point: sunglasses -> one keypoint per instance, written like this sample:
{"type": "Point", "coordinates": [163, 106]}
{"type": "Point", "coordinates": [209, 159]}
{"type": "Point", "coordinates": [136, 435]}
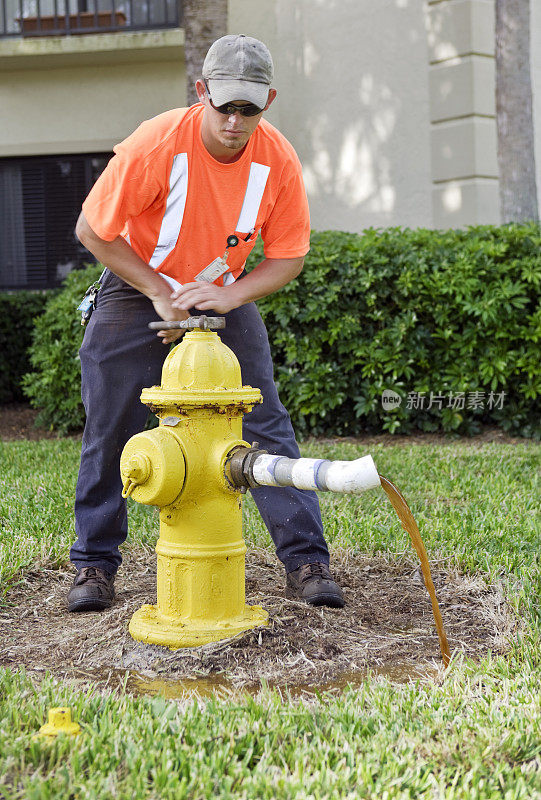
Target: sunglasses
{"type": "Point", "coordinates": [249, 110]}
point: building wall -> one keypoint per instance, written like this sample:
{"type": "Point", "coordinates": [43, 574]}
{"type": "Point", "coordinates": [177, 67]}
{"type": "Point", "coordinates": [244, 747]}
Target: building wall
{"type": "Point", "coordinates": [85, 93]}
{"type": "Point", "coordinates": [390, 105]}
{"type": "Point", "coordinates": [353, 100]}
{"type": "Point", "coordinates": [110, 102]}
{"type": "Point", "coordinates": [462, 112]}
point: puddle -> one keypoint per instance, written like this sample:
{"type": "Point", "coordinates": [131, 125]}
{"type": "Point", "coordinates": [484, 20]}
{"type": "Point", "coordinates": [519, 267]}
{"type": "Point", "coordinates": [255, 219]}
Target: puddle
{"type": "Point", "coordinates": [218, 685]}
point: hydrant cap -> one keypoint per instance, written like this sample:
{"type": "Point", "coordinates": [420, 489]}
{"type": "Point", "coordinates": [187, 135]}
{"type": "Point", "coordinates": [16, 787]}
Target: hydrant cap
{"type": "Point", "coordinates": [201, 372]}
{"type": "Point", "coordinates": [201, 361]}
{"type": "Point", "coordinates": [152, 467]}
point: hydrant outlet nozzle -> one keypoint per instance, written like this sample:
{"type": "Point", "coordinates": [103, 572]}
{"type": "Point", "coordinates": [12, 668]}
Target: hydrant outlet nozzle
{"type": "Point", "coordinates": [239, 467]}
{"type": "Point", "coordinates": [152, 467]}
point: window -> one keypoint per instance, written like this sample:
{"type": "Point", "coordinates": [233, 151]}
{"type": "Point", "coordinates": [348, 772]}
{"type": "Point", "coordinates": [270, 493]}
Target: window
{"type": "Point", "coordinates": [61, 17]}
{"type": "Point", "coordinates": [40, 200]}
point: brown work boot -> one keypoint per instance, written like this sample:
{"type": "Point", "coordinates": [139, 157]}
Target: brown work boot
{"type": "Point", "coordinates": [314, 584]}
{"type": "Point", "coordinates": [92, 590]}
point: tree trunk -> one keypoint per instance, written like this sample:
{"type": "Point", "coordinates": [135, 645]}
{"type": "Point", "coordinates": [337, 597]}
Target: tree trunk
{"type": "Point", "coordinates": [204, 22]}
{"type": "Point", "coordinates": [516, 158]}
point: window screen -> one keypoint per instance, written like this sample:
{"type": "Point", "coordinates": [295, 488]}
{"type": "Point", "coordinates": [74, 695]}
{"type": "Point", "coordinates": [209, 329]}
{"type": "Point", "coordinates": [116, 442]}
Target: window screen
{"type": "Point", "coordinates": [40, 200]}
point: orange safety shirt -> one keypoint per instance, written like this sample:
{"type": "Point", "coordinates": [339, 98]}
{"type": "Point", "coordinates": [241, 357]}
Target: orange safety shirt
{"type": "Point", "coordinates": [176, 205]}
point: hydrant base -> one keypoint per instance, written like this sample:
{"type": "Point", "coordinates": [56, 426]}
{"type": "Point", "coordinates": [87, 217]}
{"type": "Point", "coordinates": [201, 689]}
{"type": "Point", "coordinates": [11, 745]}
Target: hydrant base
{"type": "Point", "coordinates": [149, 626]}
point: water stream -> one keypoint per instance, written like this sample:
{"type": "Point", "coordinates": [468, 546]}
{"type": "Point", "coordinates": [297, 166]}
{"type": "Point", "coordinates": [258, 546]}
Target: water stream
{"type": "Point", "coordinates": [410, 526]}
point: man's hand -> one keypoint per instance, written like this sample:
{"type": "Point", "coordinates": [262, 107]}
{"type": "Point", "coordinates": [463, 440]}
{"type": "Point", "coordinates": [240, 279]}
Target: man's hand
{"type": "Point", "coordinates": [266, 278]}
{"type": "Point", "coordinates": [168, 312]}
{"type": "Point", "coordinates": [203, 296]}
{"type": "Point", "coordinates": [124, 262]}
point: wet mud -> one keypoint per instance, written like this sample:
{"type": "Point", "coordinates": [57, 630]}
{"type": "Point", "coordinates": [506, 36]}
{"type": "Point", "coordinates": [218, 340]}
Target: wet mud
{"type": "Point", "coordinates": [386, 627]}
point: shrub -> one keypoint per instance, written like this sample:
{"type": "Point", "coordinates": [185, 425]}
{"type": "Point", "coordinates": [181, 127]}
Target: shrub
{"type": "Point", "coordinates": [54, 385]}
{"type": "Point", "coordinates": [412, 311]}
{"type": "Point", "coordinates": [18, 311]}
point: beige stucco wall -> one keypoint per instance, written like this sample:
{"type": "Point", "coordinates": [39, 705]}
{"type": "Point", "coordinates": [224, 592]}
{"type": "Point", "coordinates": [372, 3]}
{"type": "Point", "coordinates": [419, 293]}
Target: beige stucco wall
{"type": "Point", "coordinates": [76, 110]}
{"type": "Point", "coordinates": [85, 94]}
{"type": "Point", "coordinates": [353, 99]}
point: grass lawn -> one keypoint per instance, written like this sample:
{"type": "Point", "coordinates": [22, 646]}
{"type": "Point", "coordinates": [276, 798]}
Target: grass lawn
{"type": "Point", "coordinates": [476, 734]}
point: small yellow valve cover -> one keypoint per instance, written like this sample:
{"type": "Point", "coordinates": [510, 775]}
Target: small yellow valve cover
{"type": "Point", "coordinates": [59, 722]}
{"type": "Point", "coordinates": [152, 467]}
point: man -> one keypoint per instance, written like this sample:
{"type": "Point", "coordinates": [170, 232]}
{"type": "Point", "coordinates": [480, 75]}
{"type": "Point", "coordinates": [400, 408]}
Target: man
{"type": "Point", "coordinates": [158, 216]}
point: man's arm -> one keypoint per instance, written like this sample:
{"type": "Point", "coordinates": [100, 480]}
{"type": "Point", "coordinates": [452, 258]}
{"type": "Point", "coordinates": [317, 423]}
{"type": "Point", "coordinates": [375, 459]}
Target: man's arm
{"type": "Point", "coordinates": [121, 259]}
{"type": "Point", "coordinates": [269, 276]}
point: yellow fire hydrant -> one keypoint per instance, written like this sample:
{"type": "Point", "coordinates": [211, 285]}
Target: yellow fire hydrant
{"type": "Point", "coordinates": [180, 467]}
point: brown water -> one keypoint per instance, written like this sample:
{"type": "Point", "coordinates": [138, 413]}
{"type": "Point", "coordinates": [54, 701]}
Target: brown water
{"type": "Point", "coordinates": [218, 685]}
{"type": "Point", "coordinates": [410, 526]}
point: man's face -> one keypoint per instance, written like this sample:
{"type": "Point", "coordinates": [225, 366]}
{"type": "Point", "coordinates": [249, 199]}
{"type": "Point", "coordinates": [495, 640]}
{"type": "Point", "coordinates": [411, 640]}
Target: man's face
{"type": "Point", "coordinates": [229, 132]}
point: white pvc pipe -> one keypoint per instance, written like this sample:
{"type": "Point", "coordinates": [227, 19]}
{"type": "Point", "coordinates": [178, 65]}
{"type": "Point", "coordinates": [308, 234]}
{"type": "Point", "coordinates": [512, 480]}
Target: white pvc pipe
{"type": "Point", "coordinates": [352, 477]}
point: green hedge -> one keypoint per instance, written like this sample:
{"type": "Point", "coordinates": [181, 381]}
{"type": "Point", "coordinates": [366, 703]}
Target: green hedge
{"type": "Point", "coordinates": [17, 313]}
{"type": "Point", "coordinates": [412, 311]}
{"type": "Point", "coordinates": [54, 384]}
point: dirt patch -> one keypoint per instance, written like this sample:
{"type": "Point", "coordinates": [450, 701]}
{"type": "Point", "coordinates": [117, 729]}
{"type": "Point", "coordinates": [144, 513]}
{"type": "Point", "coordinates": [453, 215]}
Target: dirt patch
{"type": "Point", "coordinates": [419, 438]}
{"type": "Point", "coordinates": [18, 421]}
{"type": "Point", "coordinates": [386, 623]}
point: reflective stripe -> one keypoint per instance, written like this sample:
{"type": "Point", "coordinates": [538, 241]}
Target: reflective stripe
{"type": "Point", "coordinates": [176, 202]}
{"type": "Point", "coordinates": [252, 199]}
{"type": "Point", "coordinates": [228, 278]}
{"type": "Point", "coordinates": [174, 210]}
{"type": "Point", "coordinates": [171, 281]}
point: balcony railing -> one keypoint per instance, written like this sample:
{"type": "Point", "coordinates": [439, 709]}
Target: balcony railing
{"type": "Point", "coordinates": [30, 18]}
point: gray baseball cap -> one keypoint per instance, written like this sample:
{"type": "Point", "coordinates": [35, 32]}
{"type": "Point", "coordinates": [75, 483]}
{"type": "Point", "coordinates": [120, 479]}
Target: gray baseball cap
{"type": "Point", "coordinates": [238, 67]}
